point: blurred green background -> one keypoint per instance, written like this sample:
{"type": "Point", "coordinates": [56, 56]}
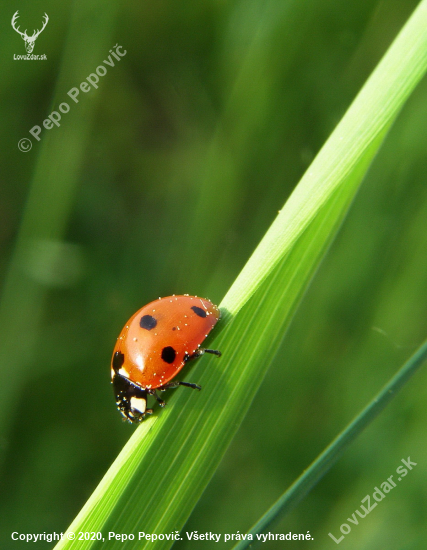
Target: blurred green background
{"type": "Point", "coordinates": [163, 180]}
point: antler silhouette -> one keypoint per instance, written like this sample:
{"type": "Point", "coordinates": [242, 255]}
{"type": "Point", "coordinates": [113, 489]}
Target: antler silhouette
{"type": "Point", "coordinates": [44, 25]}
{"type": "Point", "coordinates": [29, 40]}
{"type": "Point", "coordinates": [14, 18]}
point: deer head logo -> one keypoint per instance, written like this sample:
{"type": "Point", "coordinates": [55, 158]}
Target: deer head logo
{"type": "Point", "coordinates": [29, 40]}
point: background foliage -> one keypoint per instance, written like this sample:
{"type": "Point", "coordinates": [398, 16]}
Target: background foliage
{"type": "Point", "coordinates": [165, 179]}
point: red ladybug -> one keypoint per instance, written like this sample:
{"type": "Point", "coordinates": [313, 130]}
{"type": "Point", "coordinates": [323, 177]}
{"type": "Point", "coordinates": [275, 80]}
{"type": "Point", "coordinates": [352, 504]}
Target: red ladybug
{"type": "Point", "coordinates": [153, 347]}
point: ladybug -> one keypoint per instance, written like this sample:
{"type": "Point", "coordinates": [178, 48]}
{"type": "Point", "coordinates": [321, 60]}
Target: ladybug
{"type": "Point", "coordinates": [153, 347]}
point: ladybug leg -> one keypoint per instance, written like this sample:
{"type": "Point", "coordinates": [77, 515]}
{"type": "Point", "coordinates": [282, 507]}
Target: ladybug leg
{"type": "Point", "coordinates": [176, 383]}
{"type": "Point", "coordinates": [156, 397]}
{"type": "Point", "coordinates": [213, 351]}
{"type": "Point", "coordinates": [199, 352]}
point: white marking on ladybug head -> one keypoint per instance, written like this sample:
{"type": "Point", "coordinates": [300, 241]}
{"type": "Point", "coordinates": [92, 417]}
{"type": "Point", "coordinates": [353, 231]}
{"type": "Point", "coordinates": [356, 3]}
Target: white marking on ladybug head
{"type": "Point", "coordinates": [139, 404]}
{"type": "Point", "coordinates": [123, 372]}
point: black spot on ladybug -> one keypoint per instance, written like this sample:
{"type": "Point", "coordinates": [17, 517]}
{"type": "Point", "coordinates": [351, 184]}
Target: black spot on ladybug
{"type": "Point", "coordinates": [148, 322]}
{"type": "Point", "coordinates": [199, 311]}
{"type": "Point", "coordinates": [168, 354]}
{"type": "Point", "coordinates": [118, 361]}
{"type": "Point", "coordinates": [173, 328]}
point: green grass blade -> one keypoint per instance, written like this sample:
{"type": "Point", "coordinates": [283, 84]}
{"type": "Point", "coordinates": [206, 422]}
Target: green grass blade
{"type": "Point", "coordinates": [160, 474]}
{"type": "Point", "coordinates": [369, 116]}
{"type": "Point", "coordinates": [169, 460]}
{"type": "Point", "coordinates": [332, 453]}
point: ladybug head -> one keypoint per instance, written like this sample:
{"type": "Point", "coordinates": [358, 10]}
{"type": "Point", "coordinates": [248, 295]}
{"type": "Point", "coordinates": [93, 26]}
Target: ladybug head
{"type": "Point", "coordinates": [131, 399]}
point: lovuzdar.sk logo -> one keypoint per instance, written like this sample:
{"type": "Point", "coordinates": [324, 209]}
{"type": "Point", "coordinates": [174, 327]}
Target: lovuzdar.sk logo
{"type": "Point", "coordinates": [29, 40]}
